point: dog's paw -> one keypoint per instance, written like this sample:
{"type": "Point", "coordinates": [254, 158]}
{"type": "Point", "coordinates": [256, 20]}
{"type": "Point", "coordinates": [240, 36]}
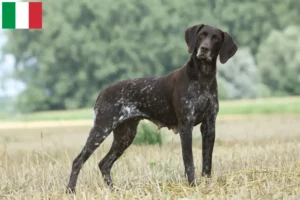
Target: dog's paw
{"type": "Point", "coordinates": [70, 190]}
{"type": "Point", "coordinates": [193, 183]}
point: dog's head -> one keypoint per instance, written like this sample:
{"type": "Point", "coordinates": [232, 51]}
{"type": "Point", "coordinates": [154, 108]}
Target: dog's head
{"type": "Point", "coordinates": [207, 42]}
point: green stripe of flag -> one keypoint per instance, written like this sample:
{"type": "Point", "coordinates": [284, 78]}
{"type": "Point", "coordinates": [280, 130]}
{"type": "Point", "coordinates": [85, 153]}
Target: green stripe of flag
{"type": "Point", "coordinates": [9, 15]}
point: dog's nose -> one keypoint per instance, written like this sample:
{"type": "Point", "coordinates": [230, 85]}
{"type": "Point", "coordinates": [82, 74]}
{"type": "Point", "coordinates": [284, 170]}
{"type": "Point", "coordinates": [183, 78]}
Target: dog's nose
{"type": "Point", "coordinates": [204, 49]}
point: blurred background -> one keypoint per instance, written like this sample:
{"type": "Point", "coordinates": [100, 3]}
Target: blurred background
{"type": "Point", "coordinates": [86, 45]}
{"type": "Point", "coordinates": [50, 78]}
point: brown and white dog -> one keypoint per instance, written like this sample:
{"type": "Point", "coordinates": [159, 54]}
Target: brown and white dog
{"type": "Point", "coordinates": [181, 100]}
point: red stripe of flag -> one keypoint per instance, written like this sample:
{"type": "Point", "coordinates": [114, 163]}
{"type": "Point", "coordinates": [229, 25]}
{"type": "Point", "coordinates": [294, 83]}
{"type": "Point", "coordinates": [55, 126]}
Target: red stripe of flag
{"type": "Point", "coordinates": [35, 15]}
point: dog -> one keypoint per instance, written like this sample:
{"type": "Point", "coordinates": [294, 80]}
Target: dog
{"type": "Point", "coordinates": [181, 100]}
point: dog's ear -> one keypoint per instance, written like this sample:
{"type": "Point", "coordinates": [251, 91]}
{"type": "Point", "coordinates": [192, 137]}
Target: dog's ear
{"type": "Point", "coordinates": [191, 35]}
{"type": "Point", "coordinates": [228, 49]}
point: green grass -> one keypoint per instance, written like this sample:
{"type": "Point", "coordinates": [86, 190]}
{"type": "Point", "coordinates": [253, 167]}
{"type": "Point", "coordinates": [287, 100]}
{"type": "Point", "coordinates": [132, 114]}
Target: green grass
{"type": "Point", "coordinates": [79, 114]}
{"type": "Point", "coordinates": [147, 134]}
{"type": "Point", "coordinates": [285, 105]}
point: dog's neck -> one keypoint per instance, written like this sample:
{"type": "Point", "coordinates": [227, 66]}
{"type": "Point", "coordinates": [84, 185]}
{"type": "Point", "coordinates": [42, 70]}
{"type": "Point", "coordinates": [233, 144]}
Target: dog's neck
{"type": "Point", "coordinates": [201, 70]}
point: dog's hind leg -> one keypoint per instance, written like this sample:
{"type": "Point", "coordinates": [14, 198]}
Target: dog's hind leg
{"type": "Point", "coordinates": [96, 137]}
{"type": "Point", "coordinates": [124, 134]}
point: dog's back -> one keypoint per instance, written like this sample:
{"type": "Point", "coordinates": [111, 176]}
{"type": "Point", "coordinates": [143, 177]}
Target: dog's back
{"type": "Point", "coordinates": [148, 98]}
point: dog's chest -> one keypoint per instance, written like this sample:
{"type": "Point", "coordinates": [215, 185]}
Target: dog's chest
{"type": "Point", "coordinates": [200, 102]}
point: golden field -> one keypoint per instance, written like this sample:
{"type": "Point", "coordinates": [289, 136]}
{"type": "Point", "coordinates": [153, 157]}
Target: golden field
{"type": "Point", "coordinates": [255, 157]}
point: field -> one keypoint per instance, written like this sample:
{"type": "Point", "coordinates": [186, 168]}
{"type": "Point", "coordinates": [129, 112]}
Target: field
{"type": "Point", "coordinates": [256, 156]}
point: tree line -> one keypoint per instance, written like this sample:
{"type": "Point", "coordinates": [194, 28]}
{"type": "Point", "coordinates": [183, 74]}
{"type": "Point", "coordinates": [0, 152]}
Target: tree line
{"type": "Point", "coordinates": [86, 45]}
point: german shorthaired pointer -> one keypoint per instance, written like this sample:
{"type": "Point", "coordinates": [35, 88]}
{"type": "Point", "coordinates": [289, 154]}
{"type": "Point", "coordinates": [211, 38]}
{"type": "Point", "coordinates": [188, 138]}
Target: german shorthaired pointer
{"type": "Point", "coordinates": [181, 100]}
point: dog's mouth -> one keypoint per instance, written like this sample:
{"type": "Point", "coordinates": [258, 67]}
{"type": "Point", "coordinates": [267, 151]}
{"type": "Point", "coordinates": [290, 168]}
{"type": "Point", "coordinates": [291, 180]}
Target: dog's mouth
{"type": "Point", "coordinates": [203, 57]}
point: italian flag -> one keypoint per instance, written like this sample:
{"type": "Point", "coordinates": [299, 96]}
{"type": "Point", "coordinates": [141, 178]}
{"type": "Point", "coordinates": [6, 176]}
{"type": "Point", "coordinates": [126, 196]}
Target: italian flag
{"type": "Point", "coordinates": [21, 15]}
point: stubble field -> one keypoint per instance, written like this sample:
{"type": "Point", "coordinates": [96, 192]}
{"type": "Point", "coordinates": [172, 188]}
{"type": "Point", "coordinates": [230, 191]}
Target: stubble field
{"type": "Point", "coordinates": [255, 157]}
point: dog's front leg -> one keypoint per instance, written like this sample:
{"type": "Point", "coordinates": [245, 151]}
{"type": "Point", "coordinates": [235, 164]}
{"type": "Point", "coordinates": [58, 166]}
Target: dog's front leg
{"type": "Point", "coordinates": [208, 140]}
{"type": "Point", "coordinates": [185, 131]}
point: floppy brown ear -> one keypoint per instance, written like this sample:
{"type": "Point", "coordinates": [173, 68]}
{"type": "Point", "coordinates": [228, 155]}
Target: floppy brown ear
{"type": "Point", "coordinates": [228, 49]}
{"type": "Point", "coordinates": [191, 35]}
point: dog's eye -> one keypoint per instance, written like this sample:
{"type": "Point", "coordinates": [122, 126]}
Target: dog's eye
{"type": "Point", "coordinates": [215, 38]}
{"type": "Point", "coordinates": [203, 34]}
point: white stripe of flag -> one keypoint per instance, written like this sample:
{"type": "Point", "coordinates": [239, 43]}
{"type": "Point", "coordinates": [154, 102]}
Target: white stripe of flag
{"type": "Point", "coordinates": [22, 15]}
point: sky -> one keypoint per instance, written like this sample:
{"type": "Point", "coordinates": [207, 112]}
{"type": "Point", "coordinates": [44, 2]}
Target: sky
{"type": "Point", "coordinates": [8, 85]}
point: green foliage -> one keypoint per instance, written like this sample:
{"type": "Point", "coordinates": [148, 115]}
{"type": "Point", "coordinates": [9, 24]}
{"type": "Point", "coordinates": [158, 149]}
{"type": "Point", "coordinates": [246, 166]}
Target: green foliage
{"type": "Point", "coordinates": [250, 22]}
{"type": "Point", "coordinates": [86, 45]}
{"type": "Point", "coordinates": [279, 61]}
{"type": "Point", "coordinates": [238, 78]}
{"type": "Point", "coordinates": [147, 133]}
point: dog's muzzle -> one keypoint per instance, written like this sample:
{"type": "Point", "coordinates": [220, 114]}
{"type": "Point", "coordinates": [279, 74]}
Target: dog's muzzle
{"type": "Point", "coordinates": [203, 54]}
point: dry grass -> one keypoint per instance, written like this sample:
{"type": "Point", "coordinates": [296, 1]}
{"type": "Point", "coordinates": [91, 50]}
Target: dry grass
{"type": "Point", "coordinates": [254, 158]}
